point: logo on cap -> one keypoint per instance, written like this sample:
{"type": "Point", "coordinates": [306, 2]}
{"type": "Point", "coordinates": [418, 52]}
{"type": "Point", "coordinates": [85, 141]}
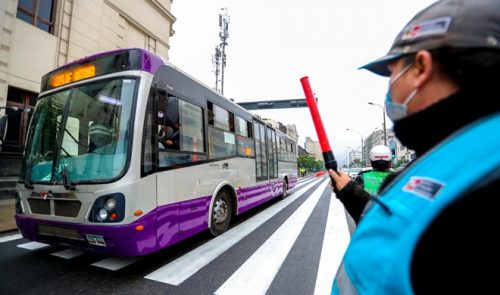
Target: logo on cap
{"type": "Point", "coordinates": [437, 26]}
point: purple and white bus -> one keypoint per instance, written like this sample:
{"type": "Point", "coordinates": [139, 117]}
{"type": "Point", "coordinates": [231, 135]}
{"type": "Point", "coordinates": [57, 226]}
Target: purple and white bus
{"type": "Point", "coordinates": [126, 155]}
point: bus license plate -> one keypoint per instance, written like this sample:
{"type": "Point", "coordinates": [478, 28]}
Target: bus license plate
{"type": "Point", "coordinates": [96, 240]}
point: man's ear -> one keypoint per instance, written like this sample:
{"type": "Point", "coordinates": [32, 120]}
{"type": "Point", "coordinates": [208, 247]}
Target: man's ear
{"type": "Point", "coordinates": [423, 67]}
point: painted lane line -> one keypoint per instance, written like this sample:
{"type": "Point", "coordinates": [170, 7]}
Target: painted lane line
{"type": "Point", "coordinates": [32, 245]}
{"type": "Point", "coordinates": [69, 253]}
{"type": "Point", "coordinates": [177, 271]}
{"type": "Point", "coordinates": [257, 273]}
{"type": "Point", "coordinates": [10, 238]}
{"type": "Point", "coordinates": [115, 263]}
{"type": "Point", "coordinates": [335, 243]}
{"type": "Point", "coordinates": [299, 185]}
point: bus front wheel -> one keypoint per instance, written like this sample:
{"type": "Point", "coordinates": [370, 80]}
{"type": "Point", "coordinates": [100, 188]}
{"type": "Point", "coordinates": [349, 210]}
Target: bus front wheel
{"type": "Point", "coordinates": [221, 213]}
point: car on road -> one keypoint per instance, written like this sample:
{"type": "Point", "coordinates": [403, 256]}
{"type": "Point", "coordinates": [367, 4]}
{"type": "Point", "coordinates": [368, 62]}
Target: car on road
{"type": "Point", "coordinates": [354, 171]}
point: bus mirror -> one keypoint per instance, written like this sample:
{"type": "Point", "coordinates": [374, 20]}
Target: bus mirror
{"type": "Point", "coordinates": [3, 127]}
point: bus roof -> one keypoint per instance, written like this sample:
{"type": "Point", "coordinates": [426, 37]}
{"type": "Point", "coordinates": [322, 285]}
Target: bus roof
{"type": "Point", "coordinates": [150, 61]}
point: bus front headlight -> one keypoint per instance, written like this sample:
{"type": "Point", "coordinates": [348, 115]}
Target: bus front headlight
{"type": "Point", "coordinates": [102, 215]}
{"type": "Point", "coordinates": [108, 209]}
{"type": "Point", "coordinates": [110, 203]}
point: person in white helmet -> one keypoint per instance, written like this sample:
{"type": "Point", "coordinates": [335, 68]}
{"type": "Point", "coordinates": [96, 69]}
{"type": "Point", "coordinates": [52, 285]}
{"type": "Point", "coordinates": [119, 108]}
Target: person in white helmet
{"type": "Point", "coordinates": [380, 160]}
{"type": "Point", "coordinates": [354, 195]}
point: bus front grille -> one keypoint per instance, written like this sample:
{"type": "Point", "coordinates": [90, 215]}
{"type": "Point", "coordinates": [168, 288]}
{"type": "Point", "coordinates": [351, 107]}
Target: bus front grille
{"type": "Point", "coordinates": [39, 206]}
{"type": "Point", "coordinates": [56, 207]}
{"type": "Point", "coordinates": [60, 232]}
{"type": "Point", "coordinates": [66, 208]}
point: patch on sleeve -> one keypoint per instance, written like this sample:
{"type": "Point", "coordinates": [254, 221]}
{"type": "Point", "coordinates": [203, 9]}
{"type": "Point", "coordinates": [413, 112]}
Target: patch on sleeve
{"type": "Point", "coordinates": [423, 187]}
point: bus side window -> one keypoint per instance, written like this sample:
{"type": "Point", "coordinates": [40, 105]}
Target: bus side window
{"type": "Point", "coordinates": [244, 135]}
{"type": "Point", "coordinates": [221, 137]}
{"type": "Point", "coordinates": [181, 136]}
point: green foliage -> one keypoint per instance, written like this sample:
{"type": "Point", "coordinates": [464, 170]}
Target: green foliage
{"type": "Point", "coordinates": [309, 163]}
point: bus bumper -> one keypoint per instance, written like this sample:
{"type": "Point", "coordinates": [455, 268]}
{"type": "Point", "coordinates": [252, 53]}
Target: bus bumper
{"type": "Point", "coordinates": [134, 239]}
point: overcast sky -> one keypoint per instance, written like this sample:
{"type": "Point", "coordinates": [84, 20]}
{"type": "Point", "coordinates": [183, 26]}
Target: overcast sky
{"type": "Point", "coordinates": [273, 43]}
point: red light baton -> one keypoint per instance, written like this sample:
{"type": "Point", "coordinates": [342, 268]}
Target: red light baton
{"type": "Point", "coordinates": [330, 162]}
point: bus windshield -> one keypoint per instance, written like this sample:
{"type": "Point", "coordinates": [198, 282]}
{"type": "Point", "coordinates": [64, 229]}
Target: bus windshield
{"type": "Point", "coordinates": [81, 133]}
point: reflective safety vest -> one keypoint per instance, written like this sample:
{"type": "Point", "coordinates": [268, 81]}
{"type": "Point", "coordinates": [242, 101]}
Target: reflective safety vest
{"type": "Point", "coordinates": [372, 180]}
{"type": "Point", "coordinates": [378, 259]}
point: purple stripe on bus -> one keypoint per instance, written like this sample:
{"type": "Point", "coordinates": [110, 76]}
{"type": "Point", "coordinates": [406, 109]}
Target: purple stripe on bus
{"type": "Point", "coordinates": [150, 62]}
{"type": "Point", "coordinates": [174, 223]}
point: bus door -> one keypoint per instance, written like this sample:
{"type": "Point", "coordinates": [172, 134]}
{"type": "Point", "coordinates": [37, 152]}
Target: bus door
{"type": "Point", "coordinates": [273, 161]}
{"type": "Point", "coordinates": [260, 152]}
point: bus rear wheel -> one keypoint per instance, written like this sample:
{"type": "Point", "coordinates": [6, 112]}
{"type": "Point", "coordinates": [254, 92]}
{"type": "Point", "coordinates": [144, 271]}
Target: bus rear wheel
{"type": "Point", "coordinates": [221, 213]}
{"type": "Point", "coordinates": [285, 189]}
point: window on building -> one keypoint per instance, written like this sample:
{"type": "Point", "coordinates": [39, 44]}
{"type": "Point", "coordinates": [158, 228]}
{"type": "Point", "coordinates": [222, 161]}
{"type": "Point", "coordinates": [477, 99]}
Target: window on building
{"type": "Point", "coordinates": [39, 13]}
{"type": "Point", "coordinates": [18, 120]}
{"type": "Point", "coordinates": [151, 46]}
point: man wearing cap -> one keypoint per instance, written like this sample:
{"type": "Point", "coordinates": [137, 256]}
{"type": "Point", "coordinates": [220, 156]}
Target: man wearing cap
{"type": "Point", "coordinates": [433, 226]}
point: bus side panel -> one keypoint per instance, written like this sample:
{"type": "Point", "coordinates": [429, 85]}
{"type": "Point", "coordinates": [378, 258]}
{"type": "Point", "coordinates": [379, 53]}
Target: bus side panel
{"type": "Point", "coordinates": [167, 225]}
{"type": "Point", "coordinates": [288, 169]}
{"type": "Point", "coordinates": [260, 193]}
{"type": "Point", "coordinates": [255, 195]}
{"type": "Point", "coordinates": [193, 216]}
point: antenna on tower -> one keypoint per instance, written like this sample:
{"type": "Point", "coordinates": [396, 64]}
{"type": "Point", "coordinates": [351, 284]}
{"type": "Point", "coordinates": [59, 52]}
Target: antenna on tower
{"type": "Point", "coordinates": [219, 58]}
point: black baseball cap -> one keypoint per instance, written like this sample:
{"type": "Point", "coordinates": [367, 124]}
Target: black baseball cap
{"type": "Point", "coordinates": [446, 23]}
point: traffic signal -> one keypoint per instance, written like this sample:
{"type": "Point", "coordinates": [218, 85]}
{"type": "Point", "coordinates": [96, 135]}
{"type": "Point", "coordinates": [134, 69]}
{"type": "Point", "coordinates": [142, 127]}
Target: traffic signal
{"type": "Point", "coordinates": [393, 151]}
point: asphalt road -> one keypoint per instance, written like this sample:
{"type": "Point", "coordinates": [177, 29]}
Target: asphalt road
{"type": "Point", "coordinates": [290, 246]}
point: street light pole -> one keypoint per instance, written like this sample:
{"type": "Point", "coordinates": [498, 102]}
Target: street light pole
{"type": "Point", "coordinates": [383, 114]}
{"type": "Point", "coordinates": [362, 163]}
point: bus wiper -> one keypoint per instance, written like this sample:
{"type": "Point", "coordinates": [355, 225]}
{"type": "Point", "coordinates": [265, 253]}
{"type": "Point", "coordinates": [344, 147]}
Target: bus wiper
{"type": "Point", "coordinates": [27, 176]}
{"type": "Point", "coordinates": [66, 180]}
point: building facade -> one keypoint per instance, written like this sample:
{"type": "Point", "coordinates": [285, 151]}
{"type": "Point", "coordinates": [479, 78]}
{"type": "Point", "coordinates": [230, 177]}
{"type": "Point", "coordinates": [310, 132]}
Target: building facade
{"type": "Point", "coordinates": [313, 148]}
{"type": "Point", "coordinates": [401, 153]}
{"type": "Point", "coordinates": [291, 130]}
{"type": "Point", "coordinates": [39, 35]}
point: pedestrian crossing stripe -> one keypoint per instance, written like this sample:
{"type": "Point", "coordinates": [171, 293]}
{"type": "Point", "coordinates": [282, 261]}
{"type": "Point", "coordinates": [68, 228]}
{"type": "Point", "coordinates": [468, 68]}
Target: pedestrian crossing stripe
{"type": "Point", "coordinates": [185, 266]}
{"type": "Point", "coordinates": [260, 269]}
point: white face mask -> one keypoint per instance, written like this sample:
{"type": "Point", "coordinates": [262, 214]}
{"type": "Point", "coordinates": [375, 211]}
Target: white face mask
{"type": "Point", "coordinates": [395, 110]}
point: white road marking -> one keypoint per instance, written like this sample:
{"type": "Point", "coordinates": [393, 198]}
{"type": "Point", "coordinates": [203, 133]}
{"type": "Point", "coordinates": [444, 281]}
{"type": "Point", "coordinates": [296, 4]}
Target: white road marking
{"type": "Point", "coordinates": [69, 253]}
{"type": "Point", "coordinates": [10, 238]}
{"type": "Point", "coordinates": [185, 266]}
{"type": "Point", "coordinates": [257, 273]}
{"type": "Point", "coordinates": [115, 263]}
{"type": "Point", "coordinates": [335, 243]}
{"type": "Point", "coordinates": [32, 245]}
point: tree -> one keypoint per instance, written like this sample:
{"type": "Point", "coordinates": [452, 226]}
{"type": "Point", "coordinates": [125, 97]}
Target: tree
{"type": "Point", "coordinates": [319, 165]}
{"type": "Point", "coordinates": [308, 163]}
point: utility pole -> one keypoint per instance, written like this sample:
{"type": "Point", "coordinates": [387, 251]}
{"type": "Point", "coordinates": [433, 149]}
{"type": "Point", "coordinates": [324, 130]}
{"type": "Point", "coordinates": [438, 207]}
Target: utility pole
{"type": "Point", "coordinates": [219, 58]}
{"type": "Point", "coordinates": [216, 62]}
{"type": "Point", "coordinates": [383, 114]}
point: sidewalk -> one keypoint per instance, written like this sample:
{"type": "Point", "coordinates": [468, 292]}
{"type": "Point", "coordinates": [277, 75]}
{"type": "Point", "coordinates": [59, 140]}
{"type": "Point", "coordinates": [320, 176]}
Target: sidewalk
{"type": "Point", "coordinates": [7, 204]}
{"type": "Point", "coordinates": [7, 212]}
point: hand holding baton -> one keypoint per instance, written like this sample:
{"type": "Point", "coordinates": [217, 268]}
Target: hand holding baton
{"type": "Point", "coordinates": [330, 162]}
